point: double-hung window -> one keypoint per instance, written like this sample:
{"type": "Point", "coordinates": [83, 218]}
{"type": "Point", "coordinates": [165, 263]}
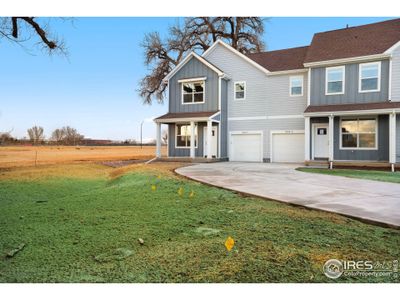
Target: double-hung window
{"type": "Point", "coordinates": [240, 90]}
{"type": "Point", "coordinates": [182, 135]}
{"type": "Point", "coordinates": [193, 92]}
{"type": "Point", "coordinates": [296, 86]}
{"type": "Point", "coordinates": [335, 77]}
{"type": "Point", "coordinates": [369, 77]}
{"type": "Point", "coordinates": [359, 133]}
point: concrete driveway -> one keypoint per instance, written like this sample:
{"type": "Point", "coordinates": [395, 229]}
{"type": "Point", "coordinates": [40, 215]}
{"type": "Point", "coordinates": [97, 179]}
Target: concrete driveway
{"type": "Point", "coordinates": [365, 199]}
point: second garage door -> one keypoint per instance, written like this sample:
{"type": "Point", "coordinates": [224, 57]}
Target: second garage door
{"type": "Point", "coordinates": [287, 147]}
{"type": "Point", "coordinates": [246, 147]}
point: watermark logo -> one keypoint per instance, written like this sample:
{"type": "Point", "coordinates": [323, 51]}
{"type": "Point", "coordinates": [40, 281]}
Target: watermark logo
{"type": "Point", "coordinates": [335, 268]}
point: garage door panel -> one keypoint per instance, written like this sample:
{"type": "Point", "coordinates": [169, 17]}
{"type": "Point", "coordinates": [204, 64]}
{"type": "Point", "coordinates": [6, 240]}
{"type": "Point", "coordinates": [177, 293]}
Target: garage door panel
{"type": "Point", "coordinates": [246, 147]}
{"type": "Point", "coordinates": [288, 147]}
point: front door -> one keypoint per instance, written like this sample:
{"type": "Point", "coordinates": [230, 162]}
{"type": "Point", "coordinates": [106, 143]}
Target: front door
{"type": "Point", "coordinates": [214, 141]}
{"type": "Point", "coordinates": [321, 141]}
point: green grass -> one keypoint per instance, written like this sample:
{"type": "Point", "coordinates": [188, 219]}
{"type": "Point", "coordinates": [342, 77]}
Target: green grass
{"type": "Point", "coordinates": [362, 174]}
{"type": "Point", "coordinates": [87, 230]}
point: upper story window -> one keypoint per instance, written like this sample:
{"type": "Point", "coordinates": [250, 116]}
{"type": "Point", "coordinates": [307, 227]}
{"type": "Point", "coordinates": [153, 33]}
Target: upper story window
{"type": "Point", "coordinates": [359, 133]}
{"type": "Point", "coordinates": [240, 90]}
{"type": "Point", "coordinates": [335, 80]}
{"type": "Point", "coordinates": [296, 85]}
{"type": "Point", "coordinates": [369, 77]}
{"type": "Point", "coordinates": [193, 92]}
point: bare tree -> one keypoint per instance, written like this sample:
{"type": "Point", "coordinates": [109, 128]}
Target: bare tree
{"type": "Point", "coordinates": [21, 29]}
{"type": "Point", "coordinates": [71, 136]}
{"type": "Point", "coordinates": [196, 34]}
{"type": "Point", "coordinates": [164, 136]}
{"type": "Point", "coordinates": [58, 136]}
{"type": "Point", "coordinates": [36, 134]}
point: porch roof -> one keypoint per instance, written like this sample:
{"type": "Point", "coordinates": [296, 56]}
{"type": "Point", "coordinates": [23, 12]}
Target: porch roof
{"type": "Point", "coordinates": [186, 116]}
{"type": "Point", "coordinates": [376, 107]}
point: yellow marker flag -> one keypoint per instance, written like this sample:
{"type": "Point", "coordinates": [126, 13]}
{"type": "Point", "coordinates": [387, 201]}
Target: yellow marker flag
{"type": "Point", "coordinates": [158, 176]}
{"type": "Point", "coordinates": [153, 187]}
{"type": "Point", "coordinates": [229, 243]}
{"type": "Point", "coordinates": [191, 194]}
{"type": "Point", "coordinates": [180, 191]}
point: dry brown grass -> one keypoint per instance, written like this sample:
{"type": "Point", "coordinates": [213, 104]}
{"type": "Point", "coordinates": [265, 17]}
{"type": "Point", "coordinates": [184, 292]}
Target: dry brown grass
{"type": "Point", "coordinates": [20, 156]}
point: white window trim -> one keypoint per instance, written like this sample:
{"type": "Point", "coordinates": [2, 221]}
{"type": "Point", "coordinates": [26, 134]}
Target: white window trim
{"type": "Point", "coordinates": [343, 80]}
{"type": "Point", "coordinates": [358, 148]}
{"type": "Point", "coordinates": [204, 92]}
{"type": "Point", "coordinates": [234, 90]}
{"type": "Point", "coordinates": [379, 77]}
{"type": "Point", "coordinates": [196, 136]}
{"type": "Point", "coordinates": [301, 77]}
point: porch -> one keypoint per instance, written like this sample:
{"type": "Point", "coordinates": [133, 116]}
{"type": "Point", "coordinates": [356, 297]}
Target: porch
{"type": "Point", "coordinates": [359, 135]}
{"type": "Point", "coordinates": [193, 136]}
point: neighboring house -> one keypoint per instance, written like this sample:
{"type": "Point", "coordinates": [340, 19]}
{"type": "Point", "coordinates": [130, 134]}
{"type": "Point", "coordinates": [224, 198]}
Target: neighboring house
{"type": "Point", "coordinates": [335, 100]}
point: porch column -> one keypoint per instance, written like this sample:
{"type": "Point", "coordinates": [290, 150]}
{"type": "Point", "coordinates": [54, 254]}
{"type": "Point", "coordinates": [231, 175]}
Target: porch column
{"type": "Point", "coordinates": [330, 140]}
{"type": "Point", "coordinates": [392, 140]}
{"type": "Point", "coordinates": [158, 140]}
{"type": "Point", "coordinates": [209, 134]}
{"type": "Point", "coordinates": [307, 138]}
{"type": "Point", "coordinates": [192, 140]}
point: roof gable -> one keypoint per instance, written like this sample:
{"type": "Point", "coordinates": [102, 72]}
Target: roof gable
{"type": "Point", "coordinates": [364, 40]}
{"type": "Point", "coordinates": [187, 59]}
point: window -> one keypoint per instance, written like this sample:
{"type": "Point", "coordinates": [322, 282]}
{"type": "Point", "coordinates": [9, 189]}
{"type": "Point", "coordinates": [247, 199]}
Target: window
{"type": "Point", "coordinates": [359, 133]}
{"type": "Point", "coordinates": [193, 92]}
{"type": "Point", "coordinates": [369, 77]}
{"type": "Point", "coordinates": [240, 90]}
{"type": "Point", "coordinates": [296, 85]}
{"type": "Point", "coordinates": [182, 135]}
{"type": "Point", "coordinates": [335, 80]}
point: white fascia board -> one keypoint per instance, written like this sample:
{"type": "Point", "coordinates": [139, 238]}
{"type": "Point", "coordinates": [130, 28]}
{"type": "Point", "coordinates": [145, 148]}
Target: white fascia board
{"type": "Point", "coordinates": [186, 59]}
{"type": "Point", "coordinates": [288, 72]}
{"type": "Point", "coordinates": [182, 120]}
{"type": "Point", "coordinates": [233, 50]}
{"type": "Point", "coordinates": [348, 60]}
{"type": "Point", "coordinates": [352, 112]}
{"type": "Point", "coordinates": [393, 48]}
{"type": "Point", "coordinates": [192, 79]}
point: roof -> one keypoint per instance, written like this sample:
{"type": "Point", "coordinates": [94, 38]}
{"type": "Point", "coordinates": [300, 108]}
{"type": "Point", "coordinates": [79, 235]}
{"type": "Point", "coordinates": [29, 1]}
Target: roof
{"type": "Point", "coordinates": [355, 41]}
{"type": "Point", "coordinates": [187, 115]}
{"type": "Point", "coordinates": [351, 107]}
{"type": "Point", "coordinates": [281, 60]}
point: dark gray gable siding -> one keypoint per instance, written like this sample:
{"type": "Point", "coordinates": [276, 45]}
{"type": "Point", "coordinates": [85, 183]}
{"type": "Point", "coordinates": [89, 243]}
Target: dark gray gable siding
{"type": "Point", "coordinates": [193, 69]}
{"type": "Point", "coordinates": [351, 94]}
{"type": "Point", "coordinates": [382, 154]}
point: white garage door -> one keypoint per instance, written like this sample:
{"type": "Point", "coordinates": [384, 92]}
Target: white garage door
{"type": "Point", "coordinates": [287, 147]}
{"type": "Point", "coordinates": [246, 147]}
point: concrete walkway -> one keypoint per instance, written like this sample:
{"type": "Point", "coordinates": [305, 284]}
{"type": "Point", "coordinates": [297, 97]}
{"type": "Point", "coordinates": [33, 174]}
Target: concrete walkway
{"type": "Point", "coordinates": [365, 199]}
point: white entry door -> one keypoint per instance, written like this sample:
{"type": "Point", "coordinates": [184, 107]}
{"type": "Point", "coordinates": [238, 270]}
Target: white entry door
{"type": "Point", "coordinates": [321, 141]}
{"type": "Point", "coordinates": [214, 141]}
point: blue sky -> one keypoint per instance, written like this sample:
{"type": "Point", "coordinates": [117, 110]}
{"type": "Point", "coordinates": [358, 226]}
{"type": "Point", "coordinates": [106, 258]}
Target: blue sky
{"type": "Point", "coordinates": [94, 90]}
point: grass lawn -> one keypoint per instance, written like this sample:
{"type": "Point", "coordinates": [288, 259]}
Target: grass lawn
{"type": "Point", "coordinates": [81, 223]}
{"type": "Point", "coordinates": [362, 174]}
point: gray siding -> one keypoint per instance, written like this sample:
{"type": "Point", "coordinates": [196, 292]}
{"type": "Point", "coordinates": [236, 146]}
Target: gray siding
{"type": "Point", "coordinates": [398, 138]}
{"type": "Point", "coordinates": [179, 152]}
{"type": "Point", "coordinates": [382, 154]}
{"type": "Point", "coordinates": [396, 75]}
{"type": "Point", "coordinates": [351, 94]}
{"type": "Point", "coordinates": [192, 69]}
{"type": "Point", "coordinates": [265, 96]}
{"type": "Point", "coordinates": [224, 119]}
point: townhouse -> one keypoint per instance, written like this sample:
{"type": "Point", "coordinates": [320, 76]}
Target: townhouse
{"type": "Point", "coordinates": [336, 100]}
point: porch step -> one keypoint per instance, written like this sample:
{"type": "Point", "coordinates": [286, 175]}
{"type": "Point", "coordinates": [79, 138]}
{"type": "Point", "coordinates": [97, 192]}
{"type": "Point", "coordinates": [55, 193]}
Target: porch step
{"type": "Point", "coordinates": [189, 160]}
{"type": "Point", "coordinates": [317, 164]}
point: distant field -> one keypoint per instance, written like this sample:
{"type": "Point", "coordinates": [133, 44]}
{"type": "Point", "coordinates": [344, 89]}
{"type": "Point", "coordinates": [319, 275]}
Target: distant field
{"type": "Point", "coordinates": [26, 155]}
